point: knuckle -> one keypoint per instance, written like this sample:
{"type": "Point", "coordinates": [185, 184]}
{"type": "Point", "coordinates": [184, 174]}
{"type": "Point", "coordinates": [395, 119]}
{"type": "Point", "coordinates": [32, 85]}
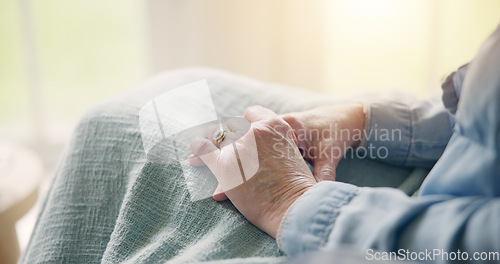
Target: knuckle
{"type": "Point", "coordinates": [268, 131]}
{"type": "Point", "coordinates": [263, 131]}
{"type": "Point", "coordinates": [272, 126]}
{"type": "Point", "coordinates": [289, 118]}
{"type": "Point", "coordinates": [276, 121]}
{"type": "Point", "coordinates": [327, 173]}
{"type": "Point", "coordinates": [292, 121]}
{"type": "Point", "coordinates": [281, 126]}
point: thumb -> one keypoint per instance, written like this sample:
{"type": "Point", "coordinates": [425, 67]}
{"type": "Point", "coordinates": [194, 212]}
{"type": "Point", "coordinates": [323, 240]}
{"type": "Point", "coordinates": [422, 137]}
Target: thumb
{"type": "Point", "coordinates": [324, 169]}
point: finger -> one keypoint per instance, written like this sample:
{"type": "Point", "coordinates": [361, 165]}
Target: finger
{"type": "Point", "coordinates": [238, 125]}
{"type": "Point", "coordinates": [205, 150]}
{"type": "Point", "coordinates": [256, 113]}
{"type": "Point", "coordinates": [219, 195]}
{"type": "Point", "coordinates": [297, 128]}
{"type": "Point", "coordinates": [229, 139]}
{"type": "Point", "coordinates": [293, 120]}
{"type": "Point", "coordinates": [211, 130]}
{"type": "Point", "coordinates": [195, 160]}
{"type": "Point", "coordinates": [324, 170]}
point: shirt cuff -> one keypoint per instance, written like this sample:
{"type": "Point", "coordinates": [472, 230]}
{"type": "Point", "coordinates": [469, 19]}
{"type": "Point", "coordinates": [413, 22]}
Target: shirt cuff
{"type": "Point", "coordinates": [452, 88]}
{"type": "Point", "coordinates": [389, 132]}
{"type": "Point", "coordinates": [309, 221]}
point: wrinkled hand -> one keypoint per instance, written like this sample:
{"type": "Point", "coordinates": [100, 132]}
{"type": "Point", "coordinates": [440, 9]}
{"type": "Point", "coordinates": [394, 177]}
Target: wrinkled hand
{"type": "Point", "coordinates": [282, 175]}
{"type": "Point", "coordinates": [326, 133]}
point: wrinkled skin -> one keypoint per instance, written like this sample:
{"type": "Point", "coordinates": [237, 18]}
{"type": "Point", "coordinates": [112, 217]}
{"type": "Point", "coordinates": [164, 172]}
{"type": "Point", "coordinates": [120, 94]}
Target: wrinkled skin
{"type": "Point", "coordinates": [329, 130]}
{"type": "Point", "coordinates": [282, 175]}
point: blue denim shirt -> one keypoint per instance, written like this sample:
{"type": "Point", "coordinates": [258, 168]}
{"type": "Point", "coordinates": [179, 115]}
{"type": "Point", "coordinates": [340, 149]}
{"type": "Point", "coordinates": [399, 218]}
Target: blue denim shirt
{"type": "Point", "coordinates": [458, 208]}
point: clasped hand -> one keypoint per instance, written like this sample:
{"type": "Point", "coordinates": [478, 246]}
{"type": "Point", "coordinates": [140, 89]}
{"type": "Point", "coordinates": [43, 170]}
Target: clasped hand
{"type": "Point", "coordinates": [281, 175]}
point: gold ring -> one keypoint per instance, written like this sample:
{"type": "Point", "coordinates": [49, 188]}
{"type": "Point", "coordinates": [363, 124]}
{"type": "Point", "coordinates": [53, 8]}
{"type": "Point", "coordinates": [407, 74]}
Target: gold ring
{"type": "Point", "coordinates": [219, 136]}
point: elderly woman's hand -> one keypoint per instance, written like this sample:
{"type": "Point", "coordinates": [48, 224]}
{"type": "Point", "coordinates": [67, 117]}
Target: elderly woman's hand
{"type": "Point", "coordinates": [281, 174]}
{"type": "Point", "coordinates": [326, 133]}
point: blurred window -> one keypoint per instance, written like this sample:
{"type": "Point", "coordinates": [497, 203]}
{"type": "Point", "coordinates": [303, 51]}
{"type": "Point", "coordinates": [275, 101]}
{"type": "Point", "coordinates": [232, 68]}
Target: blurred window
{"type": "Point", "coordinates": [58, 57]}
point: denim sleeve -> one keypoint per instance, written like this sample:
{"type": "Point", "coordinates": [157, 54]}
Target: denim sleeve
{"type": "Point", "coordinates": [333, 214]}
{"type": "Point", "coordinates": [408, 134]}
{"type": "Point", "coordinates": [413, 133]}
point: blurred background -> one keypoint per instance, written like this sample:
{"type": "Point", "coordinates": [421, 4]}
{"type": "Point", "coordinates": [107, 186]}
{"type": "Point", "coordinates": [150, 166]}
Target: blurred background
{"type": "Point", "coordinates": [58, 57]}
